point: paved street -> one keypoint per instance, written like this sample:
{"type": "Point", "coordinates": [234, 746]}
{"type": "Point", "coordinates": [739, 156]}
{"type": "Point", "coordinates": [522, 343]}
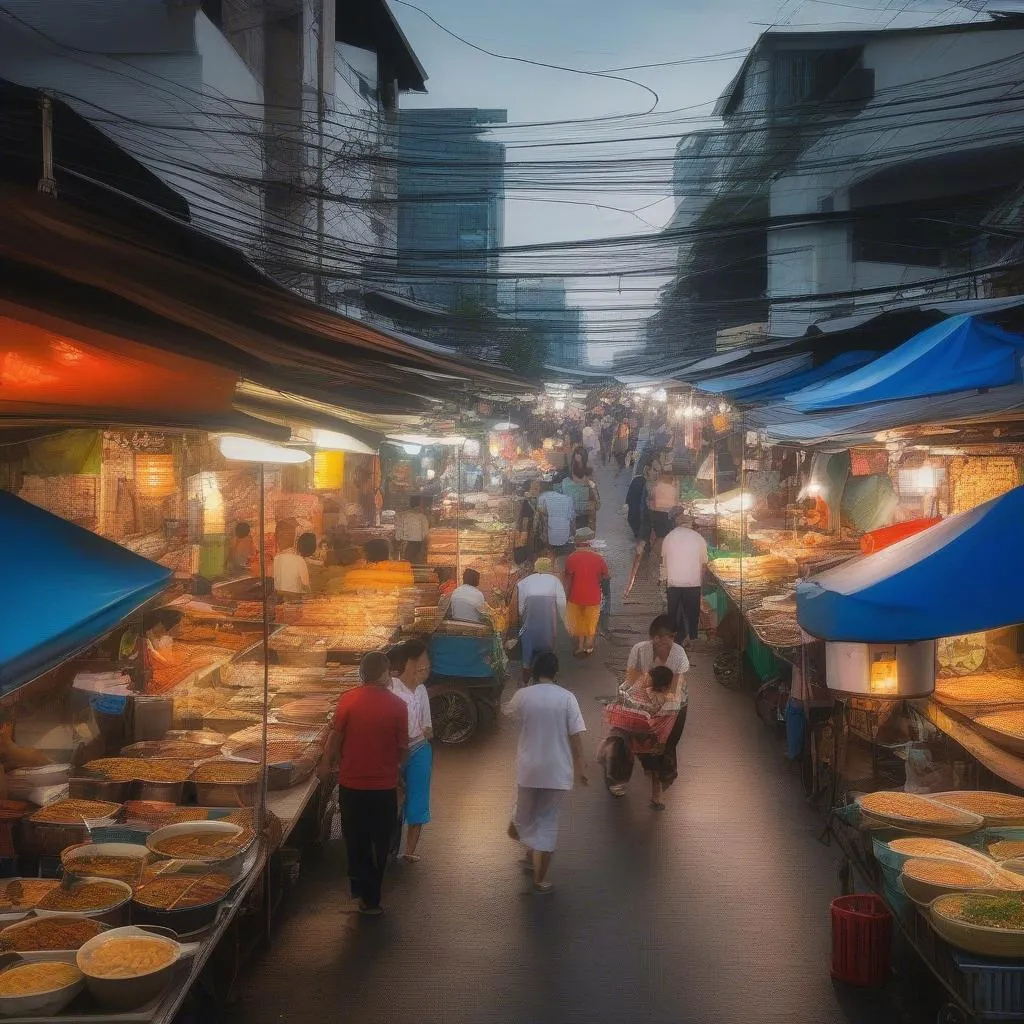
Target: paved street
{"type": "Point", "coordinates": [715, 910]}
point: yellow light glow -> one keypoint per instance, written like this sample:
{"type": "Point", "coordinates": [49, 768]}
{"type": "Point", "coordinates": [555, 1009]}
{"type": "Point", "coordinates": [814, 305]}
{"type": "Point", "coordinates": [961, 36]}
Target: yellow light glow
{"type": "Point", "coordinates": [884, 679]}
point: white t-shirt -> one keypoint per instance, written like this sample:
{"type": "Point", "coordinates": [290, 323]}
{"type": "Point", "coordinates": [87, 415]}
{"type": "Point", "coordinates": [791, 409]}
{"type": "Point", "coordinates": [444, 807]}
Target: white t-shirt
{"type": "Point", "coordinates": [548, 714]}
{"type": "Point", "coordinates": [561, 513]}
{"type": "Point", "coordinates": [291, 574]}
{"type": "Point", "coordinates": [642, 660]}
{"type": "Point", "coordinates": [412, 526]}
{"type": "Point", "coordinates": [468, 604]}
{"type": "Point", "coordinates": [418, 704]}
{"type": "Point", "coordinates": [589, 437]}
{"type": "Point", "coordinates": [684, 553]}
{"type": "Point", "coordinates": [541, 584]}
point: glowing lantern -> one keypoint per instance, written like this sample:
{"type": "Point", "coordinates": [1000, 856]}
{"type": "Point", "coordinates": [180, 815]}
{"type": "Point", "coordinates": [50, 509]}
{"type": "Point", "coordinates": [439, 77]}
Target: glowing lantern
{"type": "Point", "coordinates": [154, 475]}
{"type": "Point", "coordinates": [328, 471]}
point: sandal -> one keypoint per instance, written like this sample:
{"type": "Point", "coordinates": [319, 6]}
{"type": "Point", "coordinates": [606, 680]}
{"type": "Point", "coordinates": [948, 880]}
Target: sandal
{"type": "Point", "coordinates": [657, 805]}
{"type": "Point", "coordinates": [543, 888]}
{"type": "Point", "coordinates": [410, 858]}
{"type": "Point", "coordinates": [617, 790]}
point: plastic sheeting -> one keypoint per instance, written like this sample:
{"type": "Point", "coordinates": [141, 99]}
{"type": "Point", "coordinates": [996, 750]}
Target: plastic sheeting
{"type": "Point", "coordinates": [65, 588]}
{"type": "Point", "coordinates": [959, 354]}
{"type": "Point", "coordinates": [759, 375]}
{"type": "Point", "coordinates": [792, 382]}
{"type": "Point", "coordinates": [960, 576]}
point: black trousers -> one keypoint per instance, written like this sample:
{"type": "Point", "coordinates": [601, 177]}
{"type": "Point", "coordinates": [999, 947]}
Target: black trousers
{"type": "Point", "coordinates": [684, 611]}
{"type": "Point", "coordinates": [368, 820]}
{"type": "Point", "coordinates": [416, 551]}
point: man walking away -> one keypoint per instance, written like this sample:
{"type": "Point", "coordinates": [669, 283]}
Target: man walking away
{"type": "Point", "coordinates": [369, 742]}
{"type": "Point", "coordinates": [549, 760]}
{"type": "Point", "coordinates": [558, 516]}
{"type": "Point", "coordinates": [684, 553]}
{"type": "Point", "coordinates": [585, 573]}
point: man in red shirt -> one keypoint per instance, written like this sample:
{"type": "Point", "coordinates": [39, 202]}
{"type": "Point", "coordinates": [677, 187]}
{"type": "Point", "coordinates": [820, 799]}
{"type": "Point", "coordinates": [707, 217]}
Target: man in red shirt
{"type": "Point", "coordinates": [585, 571]}
{"type": "Point", "coordinates": [368, 743]}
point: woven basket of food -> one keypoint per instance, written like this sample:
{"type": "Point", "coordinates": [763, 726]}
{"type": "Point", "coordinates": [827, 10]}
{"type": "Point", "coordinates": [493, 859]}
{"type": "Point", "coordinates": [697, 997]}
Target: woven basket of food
{"type": "Point", "coordinates": [986, 924]}
{"type": "Point", "coordinates": [998, 809]}
{"type": "Point", "coordinates": [1004, 728]}
{"type": "Point", "coordinates": [923, 880]}
{"type": "Point", "coordinates": [918, 814]}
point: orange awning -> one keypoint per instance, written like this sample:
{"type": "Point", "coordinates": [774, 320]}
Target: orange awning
{"type": "Point", "coordinates": [49, 365]}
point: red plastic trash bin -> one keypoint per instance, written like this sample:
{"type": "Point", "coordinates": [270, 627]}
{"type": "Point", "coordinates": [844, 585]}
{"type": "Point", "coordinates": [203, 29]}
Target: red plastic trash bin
{"type": "Point", "coordinates": [861, 940]}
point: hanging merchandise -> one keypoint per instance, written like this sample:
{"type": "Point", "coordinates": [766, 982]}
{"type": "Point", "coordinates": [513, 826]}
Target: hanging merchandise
{"type": "Point", "coordinates": [707, 468]}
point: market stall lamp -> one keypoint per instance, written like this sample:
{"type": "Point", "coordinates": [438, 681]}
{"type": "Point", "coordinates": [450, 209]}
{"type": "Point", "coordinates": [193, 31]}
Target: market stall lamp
{"type": "Point", "coordinates": [335, 441]}
{"type": "Point", "coordinates": [251, 449]}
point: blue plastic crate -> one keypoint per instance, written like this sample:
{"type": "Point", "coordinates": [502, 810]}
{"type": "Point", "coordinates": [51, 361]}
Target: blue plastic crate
{"type": "Point", "coordinates": [994, 989]}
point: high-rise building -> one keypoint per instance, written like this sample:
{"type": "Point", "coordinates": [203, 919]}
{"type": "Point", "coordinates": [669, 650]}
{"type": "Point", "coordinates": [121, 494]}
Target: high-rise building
{"type": "Point", "coordinates": [541, 304]}
{"type": "Point", "coordinates": [451, 192]}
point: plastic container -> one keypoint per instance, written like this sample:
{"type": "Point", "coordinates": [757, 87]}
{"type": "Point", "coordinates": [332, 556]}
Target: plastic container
{"type": "Point", "coordinates": [861, 940]}
{"type": "Point", "coordinates": [39, 1004]}
{"type": "Point", "coordinates": [127, 993]}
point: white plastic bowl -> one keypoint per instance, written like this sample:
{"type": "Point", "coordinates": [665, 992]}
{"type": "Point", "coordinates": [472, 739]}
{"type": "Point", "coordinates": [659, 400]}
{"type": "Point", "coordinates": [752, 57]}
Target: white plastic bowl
{"type": "Point", "coordinates": [40, 1004]}
{"type": "Point", "coordinates": [127, 993]}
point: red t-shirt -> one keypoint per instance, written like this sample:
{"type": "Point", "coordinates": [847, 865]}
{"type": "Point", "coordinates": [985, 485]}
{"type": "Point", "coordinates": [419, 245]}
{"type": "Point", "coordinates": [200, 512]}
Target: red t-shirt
{"type": "Point", "coordinates": [374, 724]}
{"type": "Point", "coordinates": [585, 569]}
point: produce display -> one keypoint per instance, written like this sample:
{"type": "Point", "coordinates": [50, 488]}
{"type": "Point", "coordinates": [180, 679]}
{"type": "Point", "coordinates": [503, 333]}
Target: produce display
{"type": "Point", "coordinates": [225, 636]}
{"type": "Point", "coordinates": [128, 957]}
{"type": "Point", "coordinates": [189, 750]}
{"type": "Point", "coordinates": [120, 869]}
{"type": "Point", "coordinates": [995, 808]}
{"type": "Point", "coordinates": [908, 806]}
{"type": "Point", "coordinates": [939, 849]}
{"type": "Point", "coordinates": [278, 752]}
{"type": "Point", "coordinates": [948, 873]}
{"type": "Point", "coordinates": [34, 979]}
{"type": "Point", "coordinates": [49, 933]}
{"type": "Point", "coordinates": [1006, 849]}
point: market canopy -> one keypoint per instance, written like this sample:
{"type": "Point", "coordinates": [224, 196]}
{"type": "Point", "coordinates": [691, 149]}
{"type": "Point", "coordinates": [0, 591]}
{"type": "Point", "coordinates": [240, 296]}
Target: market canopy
{"type": "Point", "coordinates": [66, 588]}
{"type": "Point", "coordinates": [731, 383]}
{"type": "Point", "coordinates": [959, 354]}
{"type": "Point", "coordinates": [960, 576]}
{"type": "Point", "coordinates": [779, 387]}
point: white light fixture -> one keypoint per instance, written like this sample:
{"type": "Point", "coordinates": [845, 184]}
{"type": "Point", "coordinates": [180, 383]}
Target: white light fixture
{"type": "Point", "coordinates": [251, 449]}
{"type": "Point", "coordinates": [412, 449]}
{"type": "Point", "coordinates": [661, 395]}
{"type": "Point", "coordinates": [927, 478]}
{"type": "Point", "coordinates": [334, 441]}
{"type": "Point", "coordinates": [505, 426]}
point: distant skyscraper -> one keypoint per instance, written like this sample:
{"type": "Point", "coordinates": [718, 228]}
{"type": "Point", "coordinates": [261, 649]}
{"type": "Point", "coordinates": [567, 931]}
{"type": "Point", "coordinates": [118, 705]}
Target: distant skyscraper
{"type": "Point", "coordinates": [451, 191]}
{"type": "Point", "coordinates": [541, 304]}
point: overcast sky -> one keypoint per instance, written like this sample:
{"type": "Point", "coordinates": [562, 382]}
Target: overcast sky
{"type": "Point", "coordinates": [604, 34]}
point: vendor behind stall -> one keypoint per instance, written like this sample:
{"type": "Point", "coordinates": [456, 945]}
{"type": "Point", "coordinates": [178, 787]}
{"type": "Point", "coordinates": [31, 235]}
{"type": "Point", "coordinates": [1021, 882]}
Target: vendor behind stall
{"type": "Point", "coordinates": [468, 602]}
{"type": "Point", "coordinates": [291, 571]}
{"type": "Point", "coordinates": [411, 530]}
{"type": "Point", "coordinates": [244, 554]}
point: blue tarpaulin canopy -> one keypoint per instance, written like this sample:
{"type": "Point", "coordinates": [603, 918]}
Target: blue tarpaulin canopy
{"type": "Point", "coordinates": [959, 354]}
{"type": "Point", "coordinates": [918, 588]}
{"type": "Point", "coordinates": [725, 384]}
{"type": "Point", "coordinates": [65, 588]}
{"type": "Point", "coordinates": [803, 378]}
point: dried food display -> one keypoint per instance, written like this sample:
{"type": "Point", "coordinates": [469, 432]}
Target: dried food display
{"type": "Point", "coordinates": [128, 957]}
{"type": "Point", "coordinates": [207, 845]}
{"type": "Point", "coordinates": [993, 807]}
{"type": "Point", "coordinates": [157, 813]}
{"type": "Point", "coordinates": [177, 892]}
{"type": "Point", "coordinates": [939, 849]}
{"type": "Point", "coordinates": [187, 750]}
{"type": "Point", "coordinates": [224, 636]}
{"type": "Point", "coordinates": [49, 933]}
{"type": "Point", "coordinates": [35, 979]}
{"type": "Point", "coordinates": [307, 709]}
{"type": "Point", "coordinates": [74, 812]}
{"type": "Point", "coordinates": [236, 772]}
{"type": "Point", "coordinates": [278, 751]}
{"type": "Point", "coordinates": [84, 896]}
{"type": "Point", "coordinates": [24, 893]}
{"type": "Point", "coordinates": [139, 769]}
{"type": "Point", "coordinates": [949, 873]}
{"type": "Point", "coordinates": [120, 869]}
{"type": "Point", "coordinates": [909, 807]}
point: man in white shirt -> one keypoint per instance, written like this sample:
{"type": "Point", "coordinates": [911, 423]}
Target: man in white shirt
{"type": "Point", "coordinates": [468, 602]}
{"type": "Point", "coordinates": [590, 441]}
{"type": "Point", "coordinates": [291, 573]}
{"type": "Point", "coordinates": [411, 530]}
{"type": "Point", "coordinates": [559, 514]}
{"type": "Point", "coordinates": [684, 553]}
{"type": "Point", "coordinates": [549, 761]}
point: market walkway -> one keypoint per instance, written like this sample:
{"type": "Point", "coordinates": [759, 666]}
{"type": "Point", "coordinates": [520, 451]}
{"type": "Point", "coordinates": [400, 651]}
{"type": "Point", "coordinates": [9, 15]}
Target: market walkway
{"type": "Point", "coordinates": [713, 911]}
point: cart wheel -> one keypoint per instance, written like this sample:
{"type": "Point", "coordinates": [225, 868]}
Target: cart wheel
{"type": "Point", "coordinates": [454, 714]}
{"type": "Point", "coordinates": [951, 1014]}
